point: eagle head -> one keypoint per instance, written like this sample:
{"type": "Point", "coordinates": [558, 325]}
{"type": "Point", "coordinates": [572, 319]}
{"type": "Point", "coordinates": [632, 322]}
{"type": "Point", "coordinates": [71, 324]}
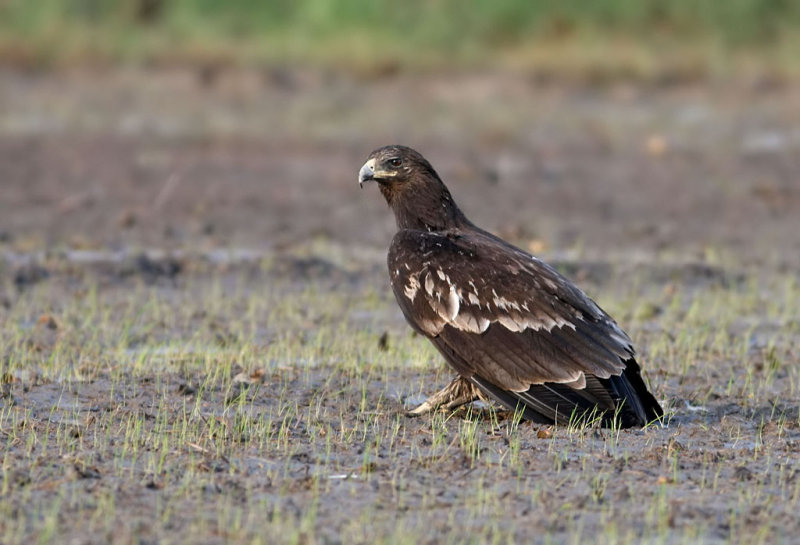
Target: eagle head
{"type": "Point", "coordinates": [412, 188]}
{"type": "Point", "coordinates": [395, 165]}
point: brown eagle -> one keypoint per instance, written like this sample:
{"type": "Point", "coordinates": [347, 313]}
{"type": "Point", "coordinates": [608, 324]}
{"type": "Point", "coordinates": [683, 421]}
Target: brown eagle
{"type": "Point", "coordinates": [511, 326]}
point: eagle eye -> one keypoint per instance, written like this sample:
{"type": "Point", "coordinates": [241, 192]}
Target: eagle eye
{"type": "Point", "coordinates": [395, 162]}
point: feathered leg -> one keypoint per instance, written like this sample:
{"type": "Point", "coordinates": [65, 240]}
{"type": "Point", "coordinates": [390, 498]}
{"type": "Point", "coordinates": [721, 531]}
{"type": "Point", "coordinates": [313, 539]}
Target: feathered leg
{"type": "Point", "coordinates": [459, 392]}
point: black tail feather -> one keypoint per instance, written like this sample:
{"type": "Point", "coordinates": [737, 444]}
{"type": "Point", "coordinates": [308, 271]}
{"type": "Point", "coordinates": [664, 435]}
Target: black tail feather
{"type": "Point", "coordinates": [636, 388]}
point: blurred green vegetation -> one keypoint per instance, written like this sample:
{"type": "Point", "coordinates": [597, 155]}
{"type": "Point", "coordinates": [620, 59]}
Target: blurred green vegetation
{"type": "Point", "coordinates": [696, 35]}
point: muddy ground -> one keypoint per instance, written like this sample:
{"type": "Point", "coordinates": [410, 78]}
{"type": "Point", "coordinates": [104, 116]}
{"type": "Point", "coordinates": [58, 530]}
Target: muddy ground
{"type": "Point", "coordinates": [199, 344]}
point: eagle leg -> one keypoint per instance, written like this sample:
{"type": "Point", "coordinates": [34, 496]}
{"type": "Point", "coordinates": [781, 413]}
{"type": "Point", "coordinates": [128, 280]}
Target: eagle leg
{"type": "Point", "coordinates": [459, 392]}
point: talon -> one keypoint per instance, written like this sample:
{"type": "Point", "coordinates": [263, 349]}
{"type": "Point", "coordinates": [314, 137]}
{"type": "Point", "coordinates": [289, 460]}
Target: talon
{"type": "Point", "coordinates": [424, 408]}
{"type": "Point", "coordinates": [459, 392]}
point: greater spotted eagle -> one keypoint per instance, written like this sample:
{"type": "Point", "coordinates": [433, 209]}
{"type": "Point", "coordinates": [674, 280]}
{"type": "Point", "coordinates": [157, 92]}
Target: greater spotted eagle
{"type": "Point", "coordinates": [511, 326]}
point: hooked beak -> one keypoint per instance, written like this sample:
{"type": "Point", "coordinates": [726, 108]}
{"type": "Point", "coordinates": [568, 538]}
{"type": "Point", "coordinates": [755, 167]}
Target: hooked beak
{"type": "Point", "coordinates": [367, 173]}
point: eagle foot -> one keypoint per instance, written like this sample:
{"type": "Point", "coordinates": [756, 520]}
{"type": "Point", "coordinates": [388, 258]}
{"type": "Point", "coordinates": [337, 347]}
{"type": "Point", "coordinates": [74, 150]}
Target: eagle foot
{"type": "Point", "coordinates": [459, 392]}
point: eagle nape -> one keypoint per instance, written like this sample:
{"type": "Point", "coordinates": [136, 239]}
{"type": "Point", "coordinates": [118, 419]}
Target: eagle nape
{"type": "Point", "coordinates": [514, 329]}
